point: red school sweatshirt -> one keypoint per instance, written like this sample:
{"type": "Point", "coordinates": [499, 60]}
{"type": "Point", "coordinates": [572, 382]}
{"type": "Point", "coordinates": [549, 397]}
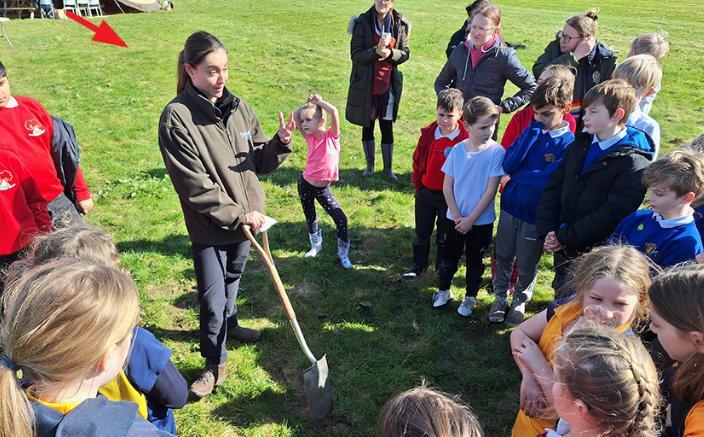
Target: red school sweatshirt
{"type": "Point", "coordinates": [23, 210]}
{"type": "Point", "coordinates": [26, 130]}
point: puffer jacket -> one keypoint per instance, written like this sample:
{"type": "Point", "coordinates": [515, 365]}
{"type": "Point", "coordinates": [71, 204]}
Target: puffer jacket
{"type": "Point", "coordinates": [213, 160]}
{"type": "Point", "coordinates": [363, 53]}
{"type": "Point", "coordinates": [499, 64]}
{"type": "Point", "coordinates": [589, 73]}
{"type": "Point", "coordinates": [584, 208]}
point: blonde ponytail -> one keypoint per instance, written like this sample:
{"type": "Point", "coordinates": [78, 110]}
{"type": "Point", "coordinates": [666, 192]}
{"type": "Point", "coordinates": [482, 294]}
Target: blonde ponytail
{"type": "Point", "coordinates": [58, 321]}
{"type": "Point", "coordinates": [16, 414]}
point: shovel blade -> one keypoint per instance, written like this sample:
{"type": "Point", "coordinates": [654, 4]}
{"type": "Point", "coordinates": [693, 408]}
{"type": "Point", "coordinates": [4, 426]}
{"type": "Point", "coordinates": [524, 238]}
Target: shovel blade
{"type": "Point", "coordinates": [318, 389]}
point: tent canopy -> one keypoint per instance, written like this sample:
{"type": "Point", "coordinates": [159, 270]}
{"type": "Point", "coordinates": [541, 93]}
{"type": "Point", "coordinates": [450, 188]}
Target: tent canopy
{"type": "Point", "coordinates": [142, 5]}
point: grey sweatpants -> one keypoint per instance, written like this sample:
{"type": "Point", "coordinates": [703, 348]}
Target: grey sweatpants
{"type": "Point", "coordinates": [516, 240]}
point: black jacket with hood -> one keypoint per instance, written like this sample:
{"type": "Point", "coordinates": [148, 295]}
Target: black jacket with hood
{"type": "Point", "coordinates": [488, 79]}
{"type": "Point", "coordinates": [584, 208]}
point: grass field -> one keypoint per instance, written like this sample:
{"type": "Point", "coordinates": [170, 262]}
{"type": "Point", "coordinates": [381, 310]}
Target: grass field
{"type": "Point", "coordinates": [362, 319]}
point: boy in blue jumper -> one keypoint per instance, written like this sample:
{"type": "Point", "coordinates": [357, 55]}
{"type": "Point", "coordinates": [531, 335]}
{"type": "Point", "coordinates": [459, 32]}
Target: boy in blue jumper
{"type": "Point", "coordinates": [666, 232]}
{"type": "Point", "coordinates": [530, 161]}
{"type": "Point", "coordinates": [598, 182]}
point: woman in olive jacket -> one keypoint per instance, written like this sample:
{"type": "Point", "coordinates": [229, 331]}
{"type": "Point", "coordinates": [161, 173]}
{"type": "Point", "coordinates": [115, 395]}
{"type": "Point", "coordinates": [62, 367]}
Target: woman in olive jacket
{"type": "Point", "coordinates": [379, 45]}
{"type": "Point", "coordinates": [213, 149]}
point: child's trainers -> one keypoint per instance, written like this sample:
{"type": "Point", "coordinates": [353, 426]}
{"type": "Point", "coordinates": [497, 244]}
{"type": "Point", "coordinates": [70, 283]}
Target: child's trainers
{"type": "Point", "coordinates": [441, 298]}
{"type": "Point", "coordinates": [467, 306]}
{"type": "Point", "coordinates": [516, 313]}
{"type": "Point", "coordinates": [497, 312]}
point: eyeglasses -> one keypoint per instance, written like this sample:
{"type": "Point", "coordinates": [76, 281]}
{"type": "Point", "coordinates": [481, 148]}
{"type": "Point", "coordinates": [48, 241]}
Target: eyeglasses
{"type": "Point", "coordinates": [562, 36]}
{"type": "Point", "coordinates": [480, 29]}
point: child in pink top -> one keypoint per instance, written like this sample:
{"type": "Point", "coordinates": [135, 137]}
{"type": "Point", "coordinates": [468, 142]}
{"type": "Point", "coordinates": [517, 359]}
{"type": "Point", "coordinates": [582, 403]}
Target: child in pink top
{"type": "Point", "coordinates": [321, 170]}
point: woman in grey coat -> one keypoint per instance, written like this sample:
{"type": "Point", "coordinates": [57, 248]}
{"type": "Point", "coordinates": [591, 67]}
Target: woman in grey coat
{"type": "Point", "coordinates": [379, 45]}
{"type": "Point", "coordinates": [482, 65]}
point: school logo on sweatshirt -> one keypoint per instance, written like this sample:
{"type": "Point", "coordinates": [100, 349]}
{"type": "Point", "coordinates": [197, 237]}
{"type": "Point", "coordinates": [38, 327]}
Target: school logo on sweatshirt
{"type": "Point", "coordinates": [650, 249]}
{"type": "Point", "coordinates": [549, 157]}
{"type": "Point", "coordinates": [34, 127]}
{"type": "Point", "coordinates": [6, 180]}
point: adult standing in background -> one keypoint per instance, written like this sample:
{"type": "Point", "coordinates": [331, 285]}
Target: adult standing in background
{"type": "Point", "coordinates": [460, 36]}
{"type": "Point", "coordinates": [213, 149]}
{"type": "Point", "coordinates": [483, 63]}
{"type": "Point", "coordinates": [576, 46]}
{"type": "Point", "coordinates": [379, 45]}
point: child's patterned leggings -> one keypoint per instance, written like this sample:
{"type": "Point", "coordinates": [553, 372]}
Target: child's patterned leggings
{"type": "Point", "coordinates": [309, 194]}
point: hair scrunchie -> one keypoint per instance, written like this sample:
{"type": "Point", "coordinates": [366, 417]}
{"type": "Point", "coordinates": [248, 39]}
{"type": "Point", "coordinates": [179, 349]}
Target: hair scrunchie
{"type": "Point", "coordinates": [7, 362]}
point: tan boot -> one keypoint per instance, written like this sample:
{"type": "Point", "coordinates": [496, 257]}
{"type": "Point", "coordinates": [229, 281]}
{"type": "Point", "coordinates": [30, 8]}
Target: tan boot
{"type": "Point", "coordinates": [243, 335]}
{"type": "Point", "coordinates": [212, 376]}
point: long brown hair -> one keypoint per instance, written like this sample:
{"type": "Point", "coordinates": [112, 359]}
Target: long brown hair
{"type": "Point", "coordinates": [614, 376]}
{"type": "Point", "coordinates": [58, 321]}
{"type": "Point", "coordinates": [197, 46]}
{"type": "Point", "coordinates": [678, 297]}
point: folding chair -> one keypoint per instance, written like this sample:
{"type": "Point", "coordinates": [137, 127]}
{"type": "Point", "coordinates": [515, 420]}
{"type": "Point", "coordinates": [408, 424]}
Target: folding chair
{"type": "Point", "coordinates": [84, 7]}
{"type": "Point", "coordinates": [70, 5]}
{"type": "Point", "coordinates": [94, 6]}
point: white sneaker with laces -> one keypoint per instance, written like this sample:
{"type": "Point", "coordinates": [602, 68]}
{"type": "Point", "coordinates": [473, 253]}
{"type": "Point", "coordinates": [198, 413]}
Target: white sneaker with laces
{"type": "Point", "coordinates": [467, 306]}
{"type": "Point", "coordinates": [441, 298]}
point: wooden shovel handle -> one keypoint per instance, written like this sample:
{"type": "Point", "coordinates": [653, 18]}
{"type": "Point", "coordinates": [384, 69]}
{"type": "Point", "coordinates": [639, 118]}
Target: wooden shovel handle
{"type": "Point", "coordinates": [268, 260]}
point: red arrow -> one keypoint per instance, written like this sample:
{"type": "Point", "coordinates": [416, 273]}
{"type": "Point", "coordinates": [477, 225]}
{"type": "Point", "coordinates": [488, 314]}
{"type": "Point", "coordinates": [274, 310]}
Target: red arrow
{"type": "Point", "coordinates": [103, 33]}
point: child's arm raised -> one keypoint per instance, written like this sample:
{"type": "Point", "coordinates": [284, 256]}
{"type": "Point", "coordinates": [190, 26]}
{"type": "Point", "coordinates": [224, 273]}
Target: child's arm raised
{"type": "Point", "coordinates": [332, 113]}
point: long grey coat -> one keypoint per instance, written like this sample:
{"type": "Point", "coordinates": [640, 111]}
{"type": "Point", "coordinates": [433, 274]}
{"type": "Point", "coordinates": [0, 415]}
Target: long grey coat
{"type": "Point", "coordinates": [363, 54]}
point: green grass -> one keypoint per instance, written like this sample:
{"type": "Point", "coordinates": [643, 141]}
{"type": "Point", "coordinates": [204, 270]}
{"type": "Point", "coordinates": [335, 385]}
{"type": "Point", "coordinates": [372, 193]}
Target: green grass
{"type": "Point", "coordinates": [362, 319]}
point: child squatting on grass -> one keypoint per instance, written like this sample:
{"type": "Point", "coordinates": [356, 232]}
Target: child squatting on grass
{"type": "Point", "coordinates": [605, 385]}
{"type": "Point", "coordinates": [424, 412]}
{"type": "Point", "coordinates": [435, 142]}
{"type": "Point", "coordinates": [676, 307]}
{"type": "Point", "coordinates": [472, 174]}
{"type": "Point", "coordinates": [611, 283]}
{"type": "Point", "coordinates": [55, 330]}
{"type": "Point", "coordinates": [666, 232]}
{"type": "Point", "coordinates": [321, 170]}
{"type": "Point", "coordinates": [149, 378]}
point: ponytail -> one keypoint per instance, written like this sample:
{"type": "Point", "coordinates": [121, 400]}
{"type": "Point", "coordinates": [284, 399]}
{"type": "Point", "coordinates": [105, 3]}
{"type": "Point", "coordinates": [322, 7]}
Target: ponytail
{"type": "Point", "coordinates": [16, 414]}
{"type": "Point", "coordinates": [196, 47]}
{"type": "Point", "coordinates": [58, 321]}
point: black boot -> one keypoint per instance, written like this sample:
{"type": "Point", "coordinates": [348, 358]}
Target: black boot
{"type": "Point", "coordinates": [387, 154]}
{"type": "Point", "coordinates": [369, 151]}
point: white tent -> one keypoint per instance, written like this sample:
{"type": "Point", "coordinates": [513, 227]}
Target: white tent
{"type": "Point", "coordinates": [142, 5]}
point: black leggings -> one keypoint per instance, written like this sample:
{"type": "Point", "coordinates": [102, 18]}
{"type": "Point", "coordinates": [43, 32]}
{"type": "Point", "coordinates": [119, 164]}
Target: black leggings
{"type": "Point", "coordinates": [387, 131]}
{"type": "Point", "coordinates": [308, 194]}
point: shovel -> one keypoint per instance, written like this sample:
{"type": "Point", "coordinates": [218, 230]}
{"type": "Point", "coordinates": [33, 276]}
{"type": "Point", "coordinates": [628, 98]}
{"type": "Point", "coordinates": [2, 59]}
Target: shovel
{"type": "Point", "coordinates": [315, 379]}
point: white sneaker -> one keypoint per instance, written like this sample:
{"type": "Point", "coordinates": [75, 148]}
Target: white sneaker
{"type": "Point", "coordinates": [441, 298]}
{"type": "Point", "coordinates": [467, 306]}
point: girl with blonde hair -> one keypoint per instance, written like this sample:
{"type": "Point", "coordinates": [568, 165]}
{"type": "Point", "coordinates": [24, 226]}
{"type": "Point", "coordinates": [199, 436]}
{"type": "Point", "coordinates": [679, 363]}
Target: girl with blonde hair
{"type": "Point", "coordinates": [67, 326]}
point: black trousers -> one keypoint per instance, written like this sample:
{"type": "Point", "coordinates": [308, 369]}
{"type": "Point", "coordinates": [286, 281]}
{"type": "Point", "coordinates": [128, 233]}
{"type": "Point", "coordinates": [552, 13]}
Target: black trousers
{"type": "Point", "coordinates": [309, 194]}
{"type": "Point", "coordinates": [218, 272]}
{"type": "Point", "coordinates": [430, 212]}
{"type": "Point", "coordinates": [387, 131]}
{"type": "Point", "coordinates": [473, 244]}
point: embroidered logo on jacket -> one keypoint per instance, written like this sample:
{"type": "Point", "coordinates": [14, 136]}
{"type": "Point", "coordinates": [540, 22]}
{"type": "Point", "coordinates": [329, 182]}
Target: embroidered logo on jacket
{"type": "Point", "coordinates": [650, 249]}
{"type": "Point", "coordinates": [34, 127]}
{"type": "Point", "coordinates": [549, 157]}
{"type": "Point", "coordinates": [5, 180]}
